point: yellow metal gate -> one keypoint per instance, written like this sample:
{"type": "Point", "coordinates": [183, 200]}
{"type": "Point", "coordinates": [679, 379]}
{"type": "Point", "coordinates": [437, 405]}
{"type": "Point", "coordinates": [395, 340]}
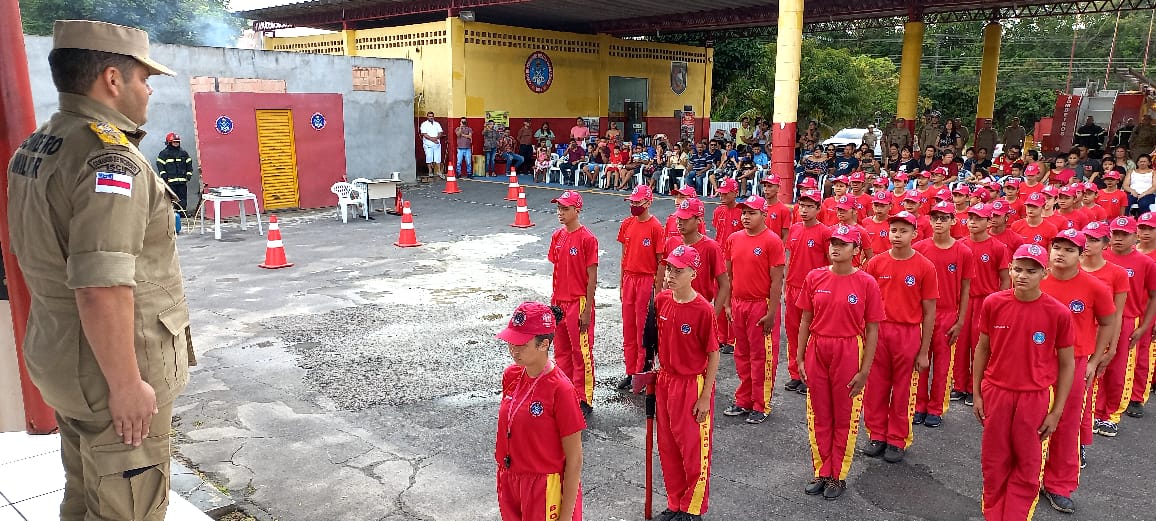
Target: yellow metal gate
{"type": "Point", "coordinates": [278, 159]}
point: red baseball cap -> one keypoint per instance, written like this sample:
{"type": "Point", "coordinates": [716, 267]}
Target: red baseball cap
{"type": "Point", "coordinates": [1146, 219]}
{"type": "Point", "coordinates": [858, 177]}
{"type": "Point", "coordinates": [901, 177]}
{"type": "Point", "coordinates": [1096, 230]}
{"type": "Point", "coordinates": [906, 217]}
{"type": "Point", "coordinates": [683, 256]}
{"type": "Point", "coordinates": [687, 190]}
{"type": "Point", "coordinates": [943, 207]}
{"type": "Point", "coordinates": [771, 179]}
{"type": "Point", "coordinates": [728, 185]}
{"type": "Point", "coordinates": [1069, 191]}
{"type": "Point", "coordinates": [980, 209]}
{"type": "Point", "coordinates": [1091, 187]}
{"type": "Point", "coordinates": [940, 170]}
{"type": "Point", "coordinates": [811, 195]}
{"type": "Point", "coordinates": [1032, 169]}
{"type": "Point", "coordinates": [982, 194]}
{"type": "Point", "coordinates": [1050, 191]}
{"type": "Point", "coordinates": [845, 202]}
{"type": "Point", "coordinates": [569, 198]}
{"type": "Point", "coordinates": [944, 194]}
{"type": "Point", "coordinates": [879, 181]}
{"type": "Point", "coordinates": [1123, 224]}
{"type": "Point", "coordinates": [1013, 182]}
{"type": "Point", "coordinates": [999, 207]}
{"type": "Point", "coordinates": [809, 182]}
{"type": "Point", "coordinates": [1036, 199]}
{"type": "Point", "coordinates": [840, 179]}
{"type": "Point", "coordinates": [529, 320]}
{"type": "Point", "coordinates": [641, 193]}
{"type": "Point", "coordinates": [962, 189]}
{"type": "Point", "coordinates": [690, 207]}
{"type": "Point", "coordinates": [925, 173]}
{"type": "Point", "coordinates": [849, 234]}
{"type": "Point", "coordinates": [881, 198]}
{"type": "Point", "coordinates": [1112, 174]}
{"type": "Point", "coordinates": [755, 202]}
{"type": "Point", "coordinates": [1073, 236]}
{"type": "Point", "coordinates": [913, 195]}
{"type": "Point", "coordinates": [1032, 251]}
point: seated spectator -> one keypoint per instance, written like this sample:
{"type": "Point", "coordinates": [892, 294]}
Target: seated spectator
{"type": "Point", "coordinates": [745, 173]}
{"type": "Point", "coordinates": [598, 155]}
{"type": "Point", "coordinates": [678, 162]}
{"type": "Point", "coordinates": [638, 158]}
{"type": "Point", "coordinates": [949, 161]}
{"type": "Point", "coordinates": [575, 153]}
{"type": "Point", "coordinates": [541, 161]}
{"type": "Point", "coordinates": [815, 165]}
{"type": "Point", "coordinates": [616, 168]}
{"type": "Point", "coordinates": [507, 146]}
{"type": "Point", "coordinates": [701, 163]}
{"type": "Point", "coordinates": [759, 157]}
{"type": "Point", "coordinates": [929, 158]}
{"type": "Point", "coordinates": [979, 162]}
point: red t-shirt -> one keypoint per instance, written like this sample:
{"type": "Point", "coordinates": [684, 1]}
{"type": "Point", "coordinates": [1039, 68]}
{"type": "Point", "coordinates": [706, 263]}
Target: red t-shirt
{"type": "Point", "coordinates": [1041, 235]}
{"type": "Point", "coordinates": [571, 254]}
{"type": "Point", "coordinates": [1113, 276]}
{"type": "Point", "coordinates": [1009, 238]}
{"type": "Point", "coordinates": [1026, 190]}
{"type": "Point", "coordinates": [903, 285]}
{"type": "Point", "coordinates": [1095, 213]}
{"type": "Point", "coordinates": [1075, 219]}
{"type": "Point", "coordinates": [841, 305]}
{"type": "Point", "coordinates": [960, 229]}
{"type": "Point", "coordinates": [686, 334]}
{"type": "Point", "coordinates": [726, 221]}
{"type": "Point", "coordinates": [711, 264]}
{"type": "Point", "coordinates": [1113, 202]}
{"type": "Point", "coordinates": [827, 211]}
{"type": "Point", "coordinates": [1015, 210]}
{"type": "Point", "coordinates": [778, 218]}
{"type": "Point", "coordinates": [989, 257]}
{"type": "Point", "coordinates": [750, 258]}
{"type": "Point", "coordinates": [672, 226]}
{"type": "Point", "coordinates": [877, 235]}
{"type": "Point", "coordinates": [544, 410]}
{"type": "Point", "coordinates": [1059, 221]}
{"type": "Point", "coordinates": [808, 246]}
{"type": "Point", "coordinates": [952, 266]}
{"type": "Point", "coordinates": [1086, 298]}
{"type": "Point", "coordinates": [643, 244]}
{"type": "Point", "coordinates": [923, 229]}
{"type": "Point", "coordinates": [1025, 338]}
{"type": "Point", "coordinates": [1141, 270]}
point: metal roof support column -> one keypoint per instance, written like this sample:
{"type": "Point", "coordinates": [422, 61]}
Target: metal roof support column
{"type": "Point", "coordinates": [989, 67]}
{"type": "Point", "coordinates": [908, 102]}
{"type": "Point", "coordinates": [788, 55]}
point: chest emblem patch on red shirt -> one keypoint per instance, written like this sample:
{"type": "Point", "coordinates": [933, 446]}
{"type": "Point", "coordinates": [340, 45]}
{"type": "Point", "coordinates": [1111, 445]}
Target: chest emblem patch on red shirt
{"type": "Point", "coordinates": [1039, 337]}
{"type": "Point", "coordinates": [985, 257]}
{"type": "Point", "coordinates": [909, 280]}
{"type": "Point", "coordinates": [758, 251]}
{"type": "Point", "coordinates": [685, 329]}
{"type": "Point", "coordinates": [535, 408]}
{"type": "Point", "coordinates": [811, 243]}
{"type": "Point", "coordinates": [1077, 306]}
{"type": "Point", "coordinates": [951, 267]}
{"type": "Point", "coordinates": [573, 251]}
{"type": "Point", "coordinates": [853, 299]}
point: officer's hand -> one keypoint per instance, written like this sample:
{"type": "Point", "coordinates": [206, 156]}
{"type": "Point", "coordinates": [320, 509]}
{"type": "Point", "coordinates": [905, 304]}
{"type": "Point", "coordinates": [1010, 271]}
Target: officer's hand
{"type": "Point", "coordinates": [768, 323]}
{"type": "Point", "coordinates": [1049, 425]}
{"type": "Point", "coordinates": [977, 407]}
{"type": "Point", "coordinates": [132, 410]}
{"type": "Point", "coordinates": [857, 383]}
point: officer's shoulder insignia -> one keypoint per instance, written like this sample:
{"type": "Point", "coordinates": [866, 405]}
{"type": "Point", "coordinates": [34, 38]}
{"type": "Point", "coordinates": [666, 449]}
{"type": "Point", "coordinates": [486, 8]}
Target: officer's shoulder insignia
{"type": "Point", "coordinates": [114, 162]}
{"type": "Point", "coordinates": [108, 134]}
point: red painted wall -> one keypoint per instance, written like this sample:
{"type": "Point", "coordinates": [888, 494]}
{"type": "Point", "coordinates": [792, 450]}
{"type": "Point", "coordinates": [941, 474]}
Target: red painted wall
{"type": "Point", "coordinates": [232, 159]}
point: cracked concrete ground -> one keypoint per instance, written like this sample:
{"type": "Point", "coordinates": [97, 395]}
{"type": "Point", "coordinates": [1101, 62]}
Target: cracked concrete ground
{"type": "Point", "coordinates": [362, 384]}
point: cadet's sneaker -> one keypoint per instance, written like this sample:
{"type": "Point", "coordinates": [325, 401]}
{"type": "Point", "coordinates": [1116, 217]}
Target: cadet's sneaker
{"type": "Point", "coordinates": [756, 417]}
{"type": "Point", "coordinates": [1135, 409]}
{"type": "Point", "coordinates": [969, 399]}
{"type": "Point", "coordinates": [687, 516]}
{"type": "Point", "coordinates": [957, 395]}
{"type": "Point", "coordinates": [793, 385]}
{"type": "Point", "coordinates": [726, 349]}
{"type": "Point", "coordinates": [625, 383]}
{"type": "Point", "coordinates": [893, 454]}
{"type": "Point", "coordinates": [1109, 429]}
{"type": "Point", "coordinates": [1061, 503]}
{"type": "Point", "coordinates": [1083, 456]}
{"type": "Point", "coordinates": [816, 486]}
{"type": "Point", "coordinates": [667, 515]}
{"type": "Point", "coordinates": [735, 410]}
{"type": "Point", "coordinates": [918, 418]}
{"type": "Point", "coordinates": [802, 389]}
{"type": "Point", "coordinates": [874, 449]}
{"type": "Point", "coordinates": [834, 489]}
{"type": "Point", "coordinates": [933, 421]}
{"type": "Point", "coordinates": [587, 410]}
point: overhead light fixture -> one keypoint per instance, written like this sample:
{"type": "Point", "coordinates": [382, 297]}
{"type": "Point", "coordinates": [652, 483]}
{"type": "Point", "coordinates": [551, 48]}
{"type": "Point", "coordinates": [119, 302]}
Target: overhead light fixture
{"type": "Point", "coordinates": [467, 16]}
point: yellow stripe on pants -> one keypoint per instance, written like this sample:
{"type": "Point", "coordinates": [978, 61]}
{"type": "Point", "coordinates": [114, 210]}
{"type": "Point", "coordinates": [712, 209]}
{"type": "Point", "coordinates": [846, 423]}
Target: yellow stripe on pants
{"type": "Point", "coordinates": [950, 378]}
{"type": "Point", "coordinates": [1043, 454]}
{"type": "Point", "coordinates": [1126, 394]}
{"type": "Point", "coordinates": [853, 427]}
{"type": "Point", "coordinates": [911, 399]}
{"type": "Point", "coordinates": [696, 498]}
{"type": "Point", "coordinates": [816, 457]}
{"type": "Point", "coordinates": [587, 356]}
{"type": "Point", "coordinates": [553, 495]}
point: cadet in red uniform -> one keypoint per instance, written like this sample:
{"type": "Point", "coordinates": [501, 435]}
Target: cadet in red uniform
{"type": "Point", "coordinates": [712, 282]}
{"type": "Point", "coordinates": [726, 219]}
{"type": "Point", "coordinates": [1116, 387]}
{"type": "Point", "coordinates": [954, 270]}
{"type": "Point", "coordinates": [908, 287]}
{"type": "Point", "coordinates": [681, 195]}
{"type": "Point", "coordinates": [846, 208]}
{"type": "Point", "coordinates": [961, 198]}
{"type": "Point", "coordinates": [1090, 303]}
{"type": "Point", "coordinates": [643, 241]}
{"type": "Point", "coordinates": [539, 441]}
{"type": "Point", "coordinates": [990, 259]}
{"type": "Point", "coordinates": [1115, 278]}
{"type": "Point", "coordinates": [1033, 228]}
{"type": "Point", "coordinates": [755, 263]}
{"type": "Point", "coordinates": [838, 331]}
{"type": "Point", "coordinates": [999, 229]}
{"type": "Point", "coordinates": [807, 243]}
{"type": "Point", "coordinates": [574, 254]}
{"type": "Point", "coordinates": [1011, 195]}
{"type": "Point", "coordinates": [1023, 376]}
{"type": "Point", "coordinates": [1068, 209]}
{"type": "Point", "coordinates": [1112, 199]}
{"type": "Point", "coordinates": [913, 202]}
{"type": "Point", "coordinates": [1094, 211]}
{"type": "Point", "coordinates": [876, 226]}
{"type": "Point", "coordinates": [778, 215]}
{"type": "Point", "coordinates": [688, 359]}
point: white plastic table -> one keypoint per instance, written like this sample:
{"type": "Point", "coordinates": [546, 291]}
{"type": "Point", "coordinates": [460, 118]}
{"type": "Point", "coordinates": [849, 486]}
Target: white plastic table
{"type": "Point", "coordinates": [378, 189]}
{"type": "Point", "coordinates": [240, 200]}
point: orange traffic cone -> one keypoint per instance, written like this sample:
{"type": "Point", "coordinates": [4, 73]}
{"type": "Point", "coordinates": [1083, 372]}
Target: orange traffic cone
{"type": "Point", "coordinates": [396, 203]}
{"type": "Point", "coordinates": [275, 250]}
{"type": "Point", "coordinates": [522, 217]}
{"type": "Point", "coordinates": [451, 181]}
{"type": "Point", "coordinates": [512, 193]}
{"type": "Point", "coordinates": [408, 237]}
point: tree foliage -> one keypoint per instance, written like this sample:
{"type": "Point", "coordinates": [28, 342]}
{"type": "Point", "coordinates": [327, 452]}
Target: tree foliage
{"type": "Point", "coordinates": [185, 22]}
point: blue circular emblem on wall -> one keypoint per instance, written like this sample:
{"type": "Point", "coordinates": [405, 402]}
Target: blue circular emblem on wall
{"type": "Point", "coordinates": [539, 72]}
{"type": "Point", "coordinates": [317, 121]}
{"type": "Point", "coordinates": [224, 124]}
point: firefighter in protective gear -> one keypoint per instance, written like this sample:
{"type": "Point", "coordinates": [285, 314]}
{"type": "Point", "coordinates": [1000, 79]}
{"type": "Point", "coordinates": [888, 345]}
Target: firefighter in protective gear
{"type": "Point", "coordinates": [176, 167]}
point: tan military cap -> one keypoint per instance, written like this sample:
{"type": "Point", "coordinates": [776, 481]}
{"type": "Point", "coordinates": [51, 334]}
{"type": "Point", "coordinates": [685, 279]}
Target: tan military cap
{"type": "Point", "coordinates": [106, 37]}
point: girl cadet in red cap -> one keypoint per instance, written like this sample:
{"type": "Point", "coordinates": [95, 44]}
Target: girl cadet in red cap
{"type": "Point", "coordinates": [1023, 374]}
{"type": "Point", "coordinates": [574, 254]}
{"type": "Point", "coordinates": [1090, 303]}
{"type": "Point", "coordinates": [954, 271]}
{"type": "Point", "coordinates": [909, 288]}
{"type": "Point", "coordinates": [841, 310]}
{"type": "Point", "coordinates": [990, 259]}
{"type": "Point", "coordinates": [539, 442]}
{"type": "Point", "coordinates": [755, 260]}
{"type": "Point", "coordinates": [807, 242]}
{"type": "Point", "coordinates": [643, 242]}
{"type": "Point", "coordinates": [688, 357]}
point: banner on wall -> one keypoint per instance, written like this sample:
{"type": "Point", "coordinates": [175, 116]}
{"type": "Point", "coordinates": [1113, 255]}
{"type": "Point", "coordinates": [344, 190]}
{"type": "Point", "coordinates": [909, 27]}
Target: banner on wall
{"type": "Point", "coordinates": [1064, 123]}
{"type": "Point", "coordinates": [592, 123]}
{"type": "Point", "coordinates": [686, 129]}
{"type": "Point", "coordinates": [678, 71]}
{"type": "Point", "coordinates": [499, 117]}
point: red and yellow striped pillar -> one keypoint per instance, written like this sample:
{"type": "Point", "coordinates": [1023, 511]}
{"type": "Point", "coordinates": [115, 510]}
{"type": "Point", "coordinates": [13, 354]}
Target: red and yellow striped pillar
{"type": "Point", "coordinates": [908, 102]}
{"type": "Point", "coordinates": [989, 68]}
{"type": "Point", "coordinates": [788, 56]}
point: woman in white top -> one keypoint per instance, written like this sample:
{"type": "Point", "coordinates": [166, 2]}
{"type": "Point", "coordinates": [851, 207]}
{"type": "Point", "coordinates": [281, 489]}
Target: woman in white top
{"type": "Point", "coordinates": [1140, 186]}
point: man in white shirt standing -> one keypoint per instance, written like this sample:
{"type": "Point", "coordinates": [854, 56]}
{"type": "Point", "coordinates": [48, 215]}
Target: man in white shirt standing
{"type": "Point", "coordinates": [431, 142]}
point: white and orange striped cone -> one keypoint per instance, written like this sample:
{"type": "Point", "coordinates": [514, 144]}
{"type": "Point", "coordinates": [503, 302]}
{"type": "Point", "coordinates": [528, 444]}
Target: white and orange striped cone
{"type": "Point", "coordinates": [512, 193]}
{"type": "Point", "coordinates": [275, 249]}
{"type": "Point", "coordinates": [408, 237]}
{"type": "Point", "coordinates": [522, 217]}
{"type": "Point", "coordinates": [451, 181]}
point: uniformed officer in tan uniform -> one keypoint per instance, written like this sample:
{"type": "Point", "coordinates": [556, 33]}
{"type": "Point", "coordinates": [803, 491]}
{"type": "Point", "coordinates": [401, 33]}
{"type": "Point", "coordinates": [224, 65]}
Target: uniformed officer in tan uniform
{"type": "Point", "coordinates": [92, 227]}
{"type": "Point", "coordinates": [897, 134]}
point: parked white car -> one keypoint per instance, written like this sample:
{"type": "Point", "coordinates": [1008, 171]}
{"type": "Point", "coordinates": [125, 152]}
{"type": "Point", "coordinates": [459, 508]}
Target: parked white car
{"type": "Point", "coordinates": [855, 137]}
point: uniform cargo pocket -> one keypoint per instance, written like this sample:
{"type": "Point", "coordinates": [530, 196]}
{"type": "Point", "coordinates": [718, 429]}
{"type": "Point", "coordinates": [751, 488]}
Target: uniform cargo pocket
{"type": "Point", "coordinates": [173, 345]}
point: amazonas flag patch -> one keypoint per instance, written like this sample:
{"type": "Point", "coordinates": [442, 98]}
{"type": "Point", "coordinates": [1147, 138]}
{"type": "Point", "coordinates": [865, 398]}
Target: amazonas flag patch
{"type": "Point", "coordinates": [113, 183]}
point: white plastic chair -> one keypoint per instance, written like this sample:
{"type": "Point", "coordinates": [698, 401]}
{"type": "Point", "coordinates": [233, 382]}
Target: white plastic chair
{"type": "Point", "coordinates": [349, 195]}
{"type": "Point", "coordinates": [555, 168]}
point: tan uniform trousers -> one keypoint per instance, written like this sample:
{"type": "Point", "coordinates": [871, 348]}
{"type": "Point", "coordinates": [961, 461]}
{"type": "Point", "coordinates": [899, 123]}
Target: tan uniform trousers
{"type": "Point", "coordinates": [106, 480]}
